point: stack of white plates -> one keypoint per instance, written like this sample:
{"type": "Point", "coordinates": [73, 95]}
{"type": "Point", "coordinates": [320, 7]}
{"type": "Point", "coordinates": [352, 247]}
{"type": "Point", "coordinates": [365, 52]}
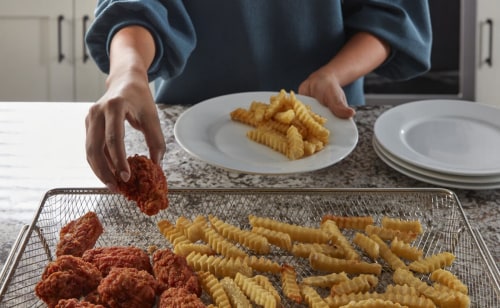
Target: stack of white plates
{"type": "Point", "coordinates": [449, 143]}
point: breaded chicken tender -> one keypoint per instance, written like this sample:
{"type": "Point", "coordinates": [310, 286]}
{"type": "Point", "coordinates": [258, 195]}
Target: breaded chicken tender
{"type": "Point", "coordinates": [128, 288]}
{"type": "Point", "coordinates": [106, 258]}
{"type": "Point", "coordinates": [79, 235]}
{"type": "Point", "coordinates": [172, 270]}
{"type": "Point", "coordinates": [147, 185]}
{"type": "Point", "coordinates": [65, 278]}
{"type": "Point", "coordinates": [74, 303]}
{"type": "Point", "coordinates": [179, 298]}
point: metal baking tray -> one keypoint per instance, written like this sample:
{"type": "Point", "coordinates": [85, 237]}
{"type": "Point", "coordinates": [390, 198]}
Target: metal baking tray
{"type": "Point", "coordinates": [439, 210]}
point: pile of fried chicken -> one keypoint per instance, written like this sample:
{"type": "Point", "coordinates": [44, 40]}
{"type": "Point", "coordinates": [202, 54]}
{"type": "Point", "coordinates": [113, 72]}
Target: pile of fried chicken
{"type": "Point", "coordinates": [114, 276]}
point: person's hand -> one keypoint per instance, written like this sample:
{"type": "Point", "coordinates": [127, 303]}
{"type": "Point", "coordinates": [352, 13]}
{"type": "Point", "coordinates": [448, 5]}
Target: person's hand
{"type": "Point", "coordinates": [326, 89]}
{"type": "Point", "coordinates": [128, 98]}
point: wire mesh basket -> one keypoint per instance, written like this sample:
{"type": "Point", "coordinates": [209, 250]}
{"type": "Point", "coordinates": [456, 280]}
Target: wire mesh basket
{"type": "Point", "coordinates": [445, 225]}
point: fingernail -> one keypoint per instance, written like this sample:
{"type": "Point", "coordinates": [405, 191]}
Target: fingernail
{"type": "Point", "coordinates": [125, 176]}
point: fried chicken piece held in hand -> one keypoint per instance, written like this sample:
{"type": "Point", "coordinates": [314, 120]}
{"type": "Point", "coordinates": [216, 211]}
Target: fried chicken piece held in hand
{"type": "Point", "coordinates": [147, 185]}
{"type": "Point", "coordinates": [128, 288]}
{"type": "Point", "coordinates": [65, 278]}
{"type": "Point", "coordinates": [79, 235]}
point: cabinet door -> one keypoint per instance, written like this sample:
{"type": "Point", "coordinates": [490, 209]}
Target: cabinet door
{"type": "Point", "coordinates": [488, 52]}
{"type": "Point", "coordinates": [36, 50]}
{"type": "Point", "coordinates": [89, 80]}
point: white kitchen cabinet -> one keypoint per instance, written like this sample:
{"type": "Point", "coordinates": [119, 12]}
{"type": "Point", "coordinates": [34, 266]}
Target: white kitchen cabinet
{"type": "Point", "coordinates": [89, 80]}
{"type": "Point", "coordinates": [41, 52]}
{"type": "Point", "coordinates": [488, 52]}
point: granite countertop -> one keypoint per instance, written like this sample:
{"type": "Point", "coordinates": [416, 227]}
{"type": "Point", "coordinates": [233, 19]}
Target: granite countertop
{"type": "Point", "coordinates": [361, 169]}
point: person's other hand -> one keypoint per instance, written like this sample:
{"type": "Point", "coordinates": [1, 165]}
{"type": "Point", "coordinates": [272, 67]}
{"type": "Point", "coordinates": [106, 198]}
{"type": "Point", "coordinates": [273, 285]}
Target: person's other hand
{"type": "Point", "coordinates": [127, 98]}
{"type": "Point", "coordinates": [326, 89]}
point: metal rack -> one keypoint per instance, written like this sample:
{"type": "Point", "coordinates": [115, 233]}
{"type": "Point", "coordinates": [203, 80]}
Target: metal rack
{"type": "Point", "coordinates": [446, 228]}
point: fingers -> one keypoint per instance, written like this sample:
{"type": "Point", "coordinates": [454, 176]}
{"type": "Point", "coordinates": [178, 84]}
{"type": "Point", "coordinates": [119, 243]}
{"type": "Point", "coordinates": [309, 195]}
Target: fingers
{"type": "Point", "coordinates": [114, 134]}
{"type": "Point", "coordinates": [331, 96]}
{"type": "Point", "coordinates": [338, 105]}
{"type": "Point", "coordinates": [154, 139]}
{"type": "Point", "coordinates": [342, 111]}
{"type": "Point", "coordinates": [105, 133]}
{"type": "Point", "coordinates": [95, 146]}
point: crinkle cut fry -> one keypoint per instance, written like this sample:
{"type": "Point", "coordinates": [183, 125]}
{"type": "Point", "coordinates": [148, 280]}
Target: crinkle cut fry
{"type": "Point", "coordinates": [325, 281]}
{"type": "Point", "coordinates": [448, 279]}
{"type": "Point", "coordinates": [264, 282]}
{"type": "Point", "coordinates": [234, 293]}
{"type": "Point", "coordinates": [312, 298]}
{"type": "Point", "coordinates": [269, 138]}
{"type": "Point", "coordinates": [295, 143]}
{"type": "Point", "coordinates": [361, 283]}
{"type": "Point", "coordinates": [221, 245]}
{"type": "Point", "coordinates": [390, 234]}
{"type": "Point", "coordinates": [277, 238]}
{"type": "Point", "coordinates": [368, 245]}
{"type": "Point", "coordinates": [302, 113]}
{"type": "Point", "coordinates": [263, 264]}
{"type": "Point", "coordinates": [344, 299]}
{"type": "Point", "coordinates": [251, 240]}
{"type": "Point", "coordinates": [303, 250]}
{"type": "Point", "coordinates": [325, 263]}
{"type": "Point", "coordinates": [296, 232]}
{"type": "Point", "coordinates": [405, 250]}
{"type": "Point", "coordinates": [338, 238]}
{"type": "Point", "coordinates": [373, 303]}
{"type": "Point", "coordinates": [432, 263]}
{"type": "Point", "coordinates": [218, 265]}
{"type": "Point", "coordinates": [289, 283]}
{"type": "Point", "coordinates": [213, 287]}
{"type": "Point", "coordinates": [442, 299]}
{"type": "Point", "coordinates": [385, 252]}
{"type": "Point", "coordinates": [349, 222]}
{"type": "Point", "coordinates": [409, 226]}
{"type": "Point", "coordinates": [172, 233]}
{"type": "Point", "coordinates": [244, 116]}
{"type": "Point", "coordinates": [255, 292]}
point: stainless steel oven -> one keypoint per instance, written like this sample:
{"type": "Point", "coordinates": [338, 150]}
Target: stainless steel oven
{"type": "Point", "coordinates": [452, 73]}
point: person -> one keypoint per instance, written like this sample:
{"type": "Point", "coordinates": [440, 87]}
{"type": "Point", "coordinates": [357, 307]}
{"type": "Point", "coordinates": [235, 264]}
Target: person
{"type": "Point", "coordinates": [199, 49]}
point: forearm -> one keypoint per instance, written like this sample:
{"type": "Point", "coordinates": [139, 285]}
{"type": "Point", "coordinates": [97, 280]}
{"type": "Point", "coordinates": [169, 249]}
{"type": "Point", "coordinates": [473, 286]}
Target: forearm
{"type": "Point", "coordinates": [132, 50]}
{"type": "Point", "coordinates": [361, 54]}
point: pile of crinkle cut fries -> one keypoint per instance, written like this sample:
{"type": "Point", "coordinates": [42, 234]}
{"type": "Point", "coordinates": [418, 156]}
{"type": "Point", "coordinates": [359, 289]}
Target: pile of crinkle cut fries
{"type": "Point", "coordinates": [219, 252]}
{"type": "Point", "coordinates": [285, 124]}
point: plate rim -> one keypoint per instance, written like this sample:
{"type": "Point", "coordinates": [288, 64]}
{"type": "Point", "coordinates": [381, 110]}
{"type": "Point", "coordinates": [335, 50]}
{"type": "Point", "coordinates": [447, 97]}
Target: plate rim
{"type": "Point", "coordinates": [462, 179]}
{"type": "Point", "coordinates": [258, 95]}
{"type": "Point", "coordinates": [430, 180]}
{"type": "Point", "coordinates": [413, 159]}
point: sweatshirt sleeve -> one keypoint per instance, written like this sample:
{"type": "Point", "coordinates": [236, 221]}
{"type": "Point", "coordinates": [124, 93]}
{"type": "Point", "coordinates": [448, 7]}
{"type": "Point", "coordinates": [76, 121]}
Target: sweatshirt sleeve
{"type": "Point", "coordinates": [167, 21]}
{"type": "Point", "coordinates": [404, 24]}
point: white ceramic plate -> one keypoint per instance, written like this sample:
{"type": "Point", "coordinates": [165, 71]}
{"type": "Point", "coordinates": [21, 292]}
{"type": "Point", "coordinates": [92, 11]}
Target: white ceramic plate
{"type": "Point", "coordinates": [487, 179]}
{"type": "Point", "coordinates": [207, 132]}
{"type": "Point", "coordinates": [447, 136]}
{"type": "Point", "coordinates": [432, 180]}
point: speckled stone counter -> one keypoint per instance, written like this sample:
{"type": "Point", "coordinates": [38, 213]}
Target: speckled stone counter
{"type": "Point", "coordinates": [361, 169]}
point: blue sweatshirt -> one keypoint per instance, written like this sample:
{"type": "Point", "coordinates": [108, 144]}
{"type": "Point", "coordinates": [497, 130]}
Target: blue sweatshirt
{"type": "Point", "coordinates": [210, 48]}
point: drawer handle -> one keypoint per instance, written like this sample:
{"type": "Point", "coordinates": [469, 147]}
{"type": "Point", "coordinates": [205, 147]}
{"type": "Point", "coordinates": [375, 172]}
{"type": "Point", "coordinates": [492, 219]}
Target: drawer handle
{"type": "Point", "coordinates": [489, 59]}
{"type": "Point", "coordinates": [60, 55]}
{"type": "Point", "coordinates": [85, 54]}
